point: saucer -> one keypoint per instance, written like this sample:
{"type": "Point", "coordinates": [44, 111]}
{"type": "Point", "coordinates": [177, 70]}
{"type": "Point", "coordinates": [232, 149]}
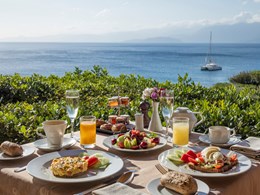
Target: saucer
{"type": "Point", "coordinates": [43, 145]}
{"type": "Point", "coordinates": [232, 141]}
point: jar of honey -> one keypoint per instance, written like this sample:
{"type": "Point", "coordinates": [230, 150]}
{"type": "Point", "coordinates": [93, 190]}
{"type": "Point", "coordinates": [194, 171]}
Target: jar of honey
{"type": "Point", "coordinates": [113, 102]}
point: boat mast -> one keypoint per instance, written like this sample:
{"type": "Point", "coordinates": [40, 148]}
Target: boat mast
{"type": "Point", "coordinates": [210, 40]}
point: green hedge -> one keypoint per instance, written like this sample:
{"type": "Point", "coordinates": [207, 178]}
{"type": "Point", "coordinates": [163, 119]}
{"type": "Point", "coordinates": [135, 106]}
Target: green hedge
{"type": "Point", "coordinates": [25, 102]}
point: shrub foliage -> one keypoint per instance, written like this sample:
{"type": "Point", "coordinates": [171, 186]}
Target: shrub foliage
{"type": "Point", "coordinates": [25, 102]}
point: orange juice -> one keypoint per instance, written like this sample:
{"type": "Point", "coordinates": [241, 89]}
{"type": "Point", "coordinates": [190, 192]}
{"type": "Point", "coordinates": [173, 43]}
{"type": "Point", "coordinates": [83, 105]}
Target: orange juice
{"type": "Point", "coordinates": [180, 135]}
{"type": "Point", "coordinates": [87, 131]}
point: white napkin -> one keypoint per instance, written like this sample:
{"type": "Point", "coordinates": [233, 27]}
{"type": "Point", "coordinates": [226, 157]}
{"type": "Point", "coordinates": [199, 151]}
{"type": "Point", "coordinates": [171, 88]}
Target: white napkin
{"type": "Point", "coordinates": [117, 189]}
{"type": "Point", "coordinates": [249, 147]}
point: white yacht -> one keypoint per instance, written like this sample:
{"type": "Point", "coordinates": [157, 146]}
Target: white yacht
{"type": "Point", "coordinates": [210, 64]}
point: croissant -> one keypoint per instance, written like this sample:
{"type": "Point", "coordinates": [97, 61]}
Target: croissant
{"type": "Point", "coordinates": [11, 149]}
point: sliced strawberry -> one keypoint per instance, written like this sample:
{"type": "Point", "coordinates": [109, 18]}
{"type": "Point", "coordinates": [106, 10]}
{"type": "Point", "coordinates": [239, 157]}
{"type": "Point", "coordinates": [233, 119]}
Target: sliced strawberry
{"type": "Point", "coordinates": [192, 160]}
{"type": "Point", "coordinates": [192, 154]}
{"type": "Point", "coordinates": [92, 160]}
{"type": "Point", "coordinates": [121, 144]}
{"type": "Point", "coordinates": [135, 147]}
{"type": "Point", "coordinates": [185, 157]}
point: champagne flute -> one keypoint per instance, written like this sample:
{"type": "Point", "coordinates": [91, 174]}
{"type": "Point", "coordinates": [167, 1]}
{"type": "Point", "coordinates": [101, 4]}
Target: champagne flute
{"type": "Point", "coordinates": [72, 106]}
{"type": "Point", "coordinates": [166, 102]}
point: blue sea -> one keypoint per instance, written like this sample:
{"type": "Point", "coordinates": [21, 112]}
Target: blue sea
{"type": "Point", "coordinates": [158, 61]}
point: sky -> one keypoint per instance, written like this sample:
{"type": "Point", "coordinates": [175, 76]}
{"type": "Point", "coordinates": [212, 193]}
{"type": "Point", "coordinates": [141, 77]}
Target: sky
{"type": "Point", "coordinates": [36, 18]}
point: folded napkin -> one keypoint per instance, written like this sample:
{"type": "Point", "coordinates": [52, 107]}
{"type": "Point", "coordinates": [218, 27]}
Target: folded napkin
{"type": "Point", "coordinates": [117, 189]}
{"type": "Point", "coordinates": [249, 147]}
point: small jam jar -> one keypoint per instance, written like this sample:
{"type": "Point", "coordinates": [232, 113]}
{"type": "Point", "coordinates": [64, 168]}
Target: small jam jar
{"type": "Point", "coordinates": [127, 118]}
{"type": "Point", "coordinates": [112, 119]}
{"type": "Point", "coordinates": [124, 101]}
{"type": "Point", "coordinates": [113, 102]}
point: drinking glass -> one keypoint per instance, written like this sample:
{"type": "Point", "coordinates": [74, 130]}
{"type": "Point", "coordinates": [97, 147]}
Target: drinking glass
{"type": "Point", "coordinates": [180, 131]}
{"type": "Point", "coordinates": [72, 106]}
{"type": "Point", "coordinates": [88, 131]}
{"type": "Point", "coordinates": [166, 104]}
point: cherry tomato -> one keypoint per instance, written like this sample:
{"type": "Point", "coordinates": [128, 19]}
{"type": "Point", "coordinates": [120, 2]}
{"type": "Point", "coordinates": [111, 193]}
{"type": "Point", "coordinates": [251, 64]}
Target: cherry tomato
{"type": "Point", "coordinates": [92, 160]}
{"type": "Point", "coordinates": [201, 159]}
{"type": "Point", "coordinates": [86, 157]}
{"type": "Point", "coordinates": [192, 160]}
{"type": "Point", "coordinates": [219, 166]}
{"type": "Point", "coordinates": [198, 154]}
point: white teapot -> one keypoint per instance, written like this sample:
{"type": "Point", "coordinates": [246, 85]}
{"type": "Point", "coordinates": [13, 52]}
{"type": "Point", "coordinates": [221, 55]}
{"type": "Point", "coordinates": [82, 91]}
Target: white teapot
{"type": "Point", "coordinates": [185, 112]}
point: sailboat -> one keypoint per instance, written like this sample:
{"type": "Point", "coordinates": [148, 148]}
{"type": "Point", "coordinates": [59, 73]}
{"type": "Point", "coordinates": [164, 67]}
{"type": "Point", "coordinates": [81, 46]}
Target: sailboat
{"type": "Point", "coordinates": [210, 64]}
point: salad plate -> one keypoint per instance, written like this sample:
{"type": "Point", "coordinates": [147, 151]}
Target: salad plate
{"type": "Point", "coordinates": [155, 188]}
{"type": "Point", "coordinates": [243, 165]}
{"type": "Point", "coordinates": [40, 167]}
{"type": "Point", "coordinates": [43, 145]}
{"type": "Point", "coordinates": [108, 143]}
{"type": "Point", "coordinates": [232, 141]}
{"type": "Point", "coordinates": [27, 151]}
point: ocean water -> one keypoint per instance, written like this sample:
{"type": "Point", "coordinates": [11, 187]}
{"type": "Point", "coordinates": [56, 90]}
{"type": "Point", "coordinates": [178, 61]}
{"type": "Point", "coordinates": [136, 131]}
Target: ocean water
{"type": "Point", "coordinates": [158, 61]}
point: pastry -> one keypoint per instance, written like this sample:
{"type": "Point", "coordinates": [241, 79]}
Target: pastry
{"type": "Point", "coordinates": [120, 127]}
{"type": "Point", "coordinates": [106, 126]}
{"type": "Point", "coordinates": [100, 122]}
{"type": "Point", "coordinates": [179, 182]}
{"type": "Point", "coordinates": [11, 149]}
{"type": "Point", "coordinates": [121, 119]}
{"type": "Point", "coordinates": [69, 166]}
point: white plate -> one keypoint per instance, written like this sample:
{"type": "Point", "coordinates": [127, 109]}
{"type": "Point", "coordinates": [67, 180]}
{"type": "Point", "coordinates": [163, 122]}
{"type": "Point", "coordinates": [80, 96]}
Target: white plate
{"type": "Point", "coordinates": [27, 151]}
{"type": "Point", "coordinates": [232, 141]}
{"type": "Point", "coordinates": [107, 143]}
{"type": "Point", "coordinates": [155, 188]}
{"type": "Point", "coordinates": [243, 165]}
{"type": "Point", "coordinates": [43, 145]}
{"type": "Point", "coordinates": [40, 167]}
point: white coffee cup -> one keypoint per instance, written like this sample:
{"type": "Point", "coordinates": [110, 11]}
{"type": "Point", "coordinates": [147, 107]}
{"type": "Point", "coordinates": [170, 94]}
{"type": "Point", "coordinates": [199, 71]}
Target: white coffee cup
{"type": "Point", "coordinates": [220, 134]}
{"type": "Point", "coordinates": [54, 131]}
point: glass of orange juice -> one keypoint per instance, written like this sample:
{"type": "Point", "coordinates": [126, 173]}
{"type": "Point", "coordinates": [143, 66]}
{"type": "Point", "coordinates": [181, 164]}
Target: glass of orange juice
{"type": "Point", "coordinates": [88, 131]}
{"type": "Point", "coordinates": [180, 131]}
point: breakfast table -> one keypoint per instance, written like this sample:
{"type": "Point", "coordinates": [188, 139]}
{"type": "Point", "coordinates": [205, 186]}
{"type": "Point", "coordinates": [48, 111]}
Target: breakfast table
{"type": "Point", "coordinates": [144, 163]}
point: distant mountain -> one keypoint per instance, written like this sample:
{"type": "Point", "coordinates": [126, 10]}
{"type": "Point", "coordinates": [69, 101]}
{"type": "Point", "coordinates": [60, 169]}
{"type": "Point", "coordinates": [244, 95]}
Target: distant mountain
{"type": "Point", "coordinates": [155, 40]}
{"type": "Point", "coordinates": [235, 33]}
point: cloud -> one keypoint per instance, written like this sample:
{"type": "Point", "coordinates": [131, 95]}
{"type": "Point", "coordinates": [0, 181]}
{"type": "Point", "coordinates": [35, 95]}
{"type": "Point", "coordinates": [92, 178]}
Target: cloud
{"type": "Point", "coordinates": [103, 12]}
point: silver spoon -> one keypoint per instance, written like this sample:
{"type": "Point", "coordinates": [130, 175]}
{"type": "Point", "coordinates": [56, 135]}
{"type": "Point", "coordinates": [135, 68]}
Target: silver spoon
{"type": "Point", "coordinates": [125, 178]}
{"type": "Point", "coordinates": [20, 169]}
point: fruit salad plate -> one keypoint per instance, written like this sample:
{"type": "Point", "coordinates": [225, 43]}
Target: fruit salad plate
{"type": "Point", "coordinates": [149, 141]}
{"type": "Point", "coordinates": [40, 167]}
{"type": "Point", "coordinates": [243, 165]}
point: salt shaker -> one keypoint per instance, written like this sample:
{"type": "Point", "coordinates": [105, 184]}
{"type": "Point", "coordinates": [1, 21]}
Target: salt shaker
{"type": "Point", "coordinates": [139, 122]}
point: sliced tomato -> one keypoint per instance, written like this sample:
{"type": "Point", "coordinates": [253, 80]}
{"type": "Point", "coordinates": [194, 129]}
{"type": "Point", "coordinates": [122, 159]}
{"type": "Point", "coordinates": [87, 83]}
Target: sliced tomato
{"type": "Point", "coordinates": [201, 159]}
{"type": "Point", "coordinates": [185, 158]}
{"type": "Point", "coordinates": [192, 160]}
{"type": "Point", "coordinates": [198, 154]}
{"type": "Point", "coordinates": [86, 157]}
{"type": "Point", "coordinates": [192, 154]}
{"type": "Point", "coordinates": [92, 160]}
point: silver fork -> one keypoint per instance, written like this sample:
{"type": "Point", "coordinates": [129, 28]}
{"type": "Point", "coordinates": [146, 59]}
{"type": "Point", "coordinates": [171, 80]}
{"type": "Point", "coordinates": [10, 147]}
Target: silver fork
{"type": "Point", "coordinates": [161, 169]}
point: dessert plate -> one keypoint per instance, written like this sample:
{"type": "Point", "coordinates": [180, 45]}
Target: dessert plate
{"type": "Point", "coordinates": [232, 141]}
{"type": "Point", "coordinates": [42, 144]}
{"type": "Point", "coordinates": [40, 167]}
{"type": "Point", "coordinates": [27, 151]}
{"type": "Point", "coordinates": [155, 188]}
{"type": "Point", "coordinates": [243, 165]}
